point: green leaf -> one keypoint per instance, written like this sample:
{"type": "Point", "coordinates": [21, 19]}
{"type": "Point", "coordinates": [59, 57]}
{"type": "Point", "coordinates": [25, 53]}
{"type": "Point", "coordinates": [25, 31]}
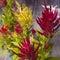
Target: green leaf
{"type": "Point", "coordinates": [1, 43]}
{"type": "Point", "coordinates": [14, 57]}
{"type": "Point", "coordinates": [15, 43]}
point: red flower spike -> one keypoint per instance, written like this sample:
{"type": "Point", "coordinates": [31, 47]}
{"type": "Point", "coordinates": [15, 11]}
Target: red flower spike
{"type": "Point", "coordinates": [3, 2]}
{"type": "Point", "coordinates": [4, 29]}
{"type": "Point", "coordinates": [27, 50]}
{"type": "Point", "coordinates": [18, 29]}
{"type": "Point", "coordinates": [33, 31]}
{"type": "Point", "coordinates": [46, 46]}
{"type": "Point", "coordinates": [10, 33]}
{"type": "Point", "coordinates": [48, 21]}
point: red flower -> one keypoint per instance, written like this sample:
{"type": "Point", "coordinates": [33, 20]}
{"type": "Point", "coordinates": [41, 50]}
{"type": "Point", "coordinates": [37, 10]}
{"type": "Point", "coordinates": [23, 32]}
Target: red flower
{"type": "Point", "coordinates": [3, 2]}
{"type": "Point", "coordinates": [49, 22]}
{"type": "Point", "coordinates": [18, 29]}
{"type": "Point", "coordinates": [27, 49]}
{"type": "Point", "coordinates": [46, 46]}
{"type": "Point", "coordinates": [4, 29]}
{"type": "Point", "coordinates": [33, 31]}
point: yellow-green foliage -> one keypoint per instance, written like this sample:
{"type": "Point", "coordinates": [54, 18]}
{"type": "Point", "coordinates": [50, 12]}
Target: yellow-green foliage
{"type": "Point", "coordinates": [23, 15]}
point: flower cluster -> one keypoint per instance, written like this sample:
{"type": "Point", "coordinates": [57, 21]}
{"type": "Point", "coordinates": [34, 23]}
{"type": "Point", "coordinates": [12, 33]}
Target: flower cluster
{"type": "Point", "coordinates": [18, 35]}
{"type": "Point", "coordinates": [28, 51]}
{"type": "Point", "coordinates": [23, 15]}
{"type": "Point", "coordinates": [49, 22]}
{"type": "Point", "coordinates": [3, 2]}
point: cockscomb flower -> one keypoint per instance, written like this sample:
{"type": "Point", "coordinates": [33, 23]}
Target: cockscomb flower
{"type": "Point", "coordinates": [27, 49]}
{"type": "Point", "coordinates": [49, 22]}
{"type": "Point", "coordinates": [18, 29]}
{"type": "Point", "coordinates": [46, 46]}
{"type": "Point", "coordinates": [3, 2]}
{"type": "Point", "coordinates": [4, 29]}
{"type": "Point", "coordinates": [23, 15]}
{"type": "Point", "coordinates": [33, 31]}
